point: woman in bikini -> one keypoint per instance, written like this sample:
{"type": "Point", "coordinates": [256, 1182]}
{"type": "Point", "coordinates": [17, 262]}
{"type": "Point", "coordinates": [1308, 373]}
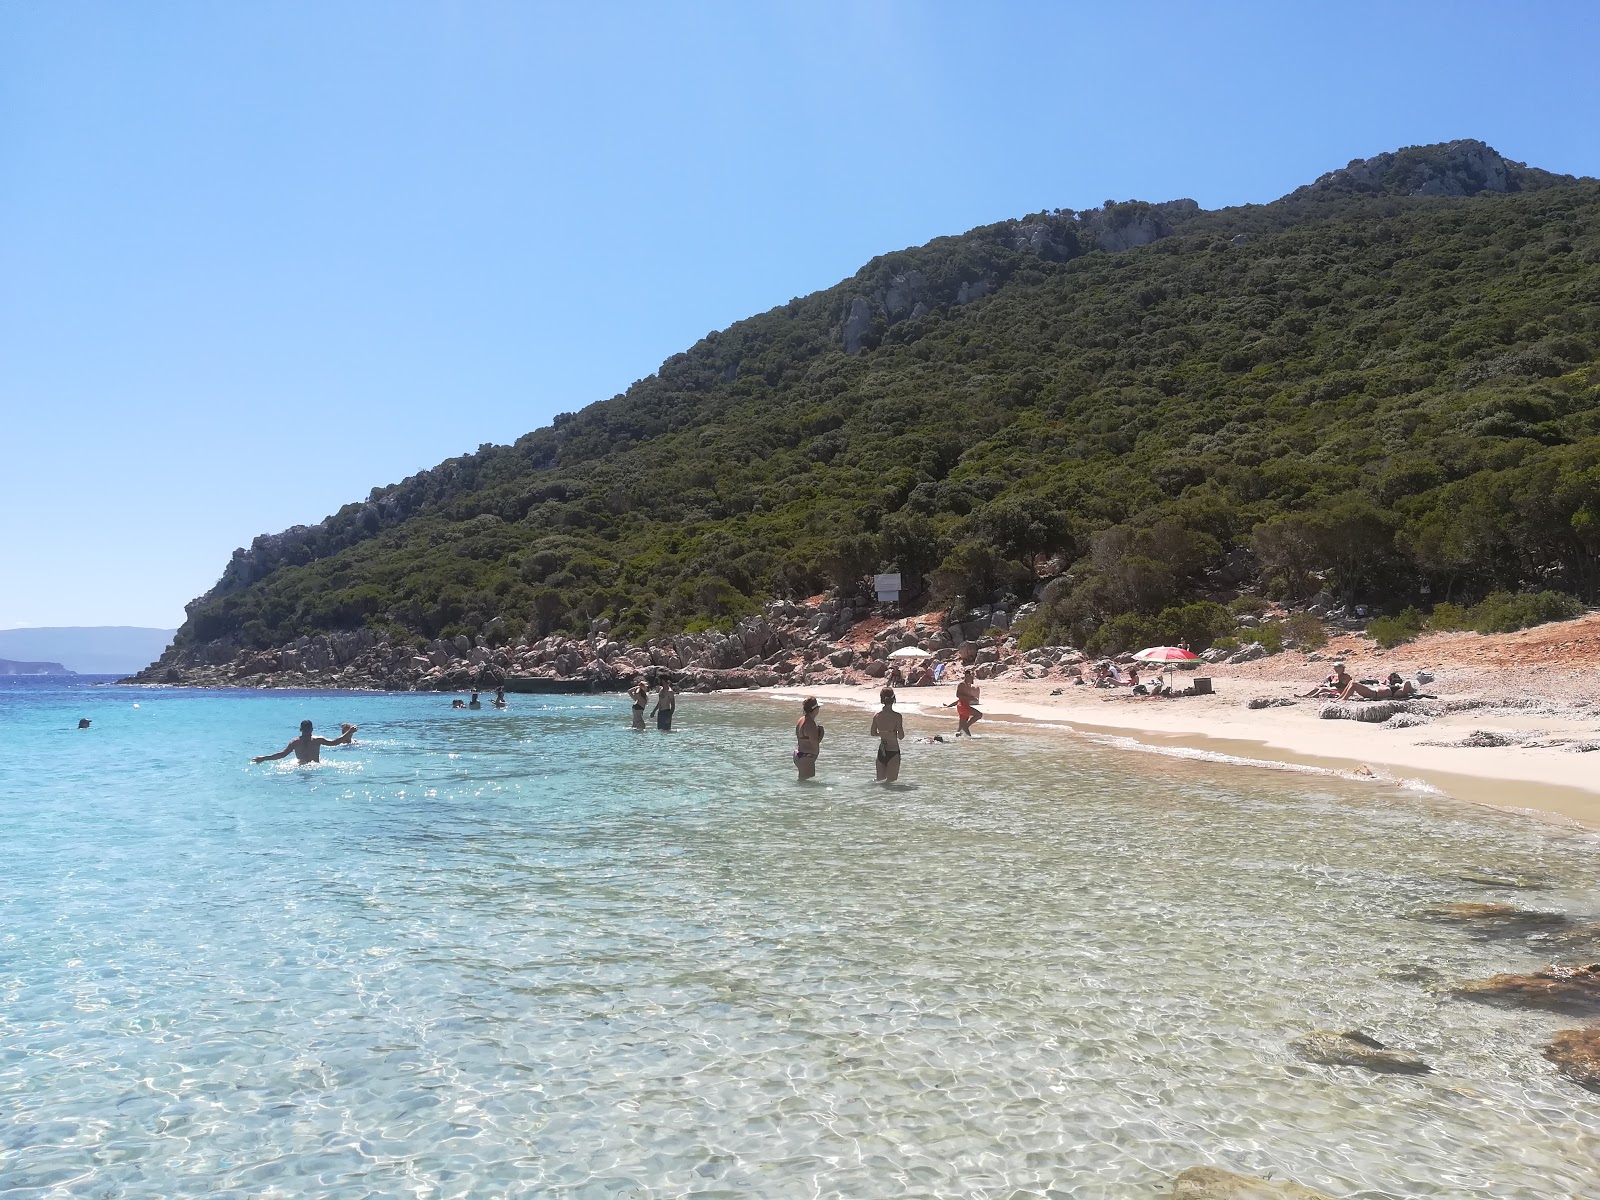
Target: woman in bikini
{"type": "Point", "coordinates": [638, 693]}
{"type": "Point", "coordinates": [807, 739]}
{"type": "Point", "coordinates": [889, 728]}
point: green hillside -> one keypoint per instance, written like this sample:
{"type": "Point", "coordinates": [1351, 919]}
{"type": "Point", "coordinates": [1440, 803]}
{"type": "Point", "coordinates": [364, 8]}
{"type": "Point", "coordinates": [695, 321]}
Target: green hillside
{"type": "Point", "coordinates": [1384, 382]}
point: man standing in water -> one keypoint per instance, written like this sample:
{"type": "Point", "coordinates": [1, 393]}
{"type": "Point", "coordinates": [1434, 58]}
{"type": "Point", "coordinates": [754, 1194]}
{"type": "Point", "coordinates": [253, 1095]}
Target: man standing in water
{"type": "Point", "coordinates": [966, 705]}
{"type": "Point", "coordinates": [666, 701]}
{"type": "Point", "coordinates": [807, 739]}
{"type": "Point", "coordinates": [308, 748]}
{"type": "Point", "coordinates": [889, 728]}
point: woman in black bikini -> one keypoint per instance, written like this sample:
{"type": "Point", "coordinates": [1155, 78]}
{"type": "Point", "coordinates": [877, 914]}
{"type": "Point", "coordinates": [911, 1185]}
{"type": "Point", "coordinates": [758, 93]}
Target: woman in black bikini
{"type": "Point", "coordinates": [638, 693]}
{"type": "Point", "coordinates": [888, 727]}
{"type": "Point", "coordinates": [808, 739]}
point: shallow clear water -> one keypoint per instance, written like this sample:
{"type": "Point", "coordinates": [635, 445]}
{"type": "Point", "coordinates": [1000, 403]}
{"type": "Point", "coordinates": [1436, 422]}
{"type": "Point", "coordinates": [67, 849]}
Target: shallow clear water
{"type": "Point", "coordinates": [535, 954]}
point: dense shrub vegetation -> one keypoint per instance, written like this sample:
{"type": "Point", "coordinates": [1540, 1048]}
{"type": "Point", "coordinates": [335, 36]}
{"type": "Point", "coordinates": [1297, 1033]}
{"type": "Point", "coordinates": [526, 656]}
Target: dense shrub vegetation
{"type": "Point", "coordinates": [1500, 612]}
{"type": "Point", "coordinates": [1361, 393]}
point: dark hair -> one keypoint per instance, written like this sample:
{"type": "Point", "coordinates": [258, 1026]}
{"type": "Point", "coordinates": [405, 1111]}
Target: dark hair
{"type": "Point", "coordinates": [305, 726]}
{"type": "Point", "coordinates": [887, 695]}
{"type": "Point", "coordinates": [809, 703]}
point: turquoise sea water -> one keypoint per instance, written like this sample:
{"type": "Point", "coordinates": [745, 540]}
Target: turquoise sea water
{"type": "Point", "coordinates": [533, 953]}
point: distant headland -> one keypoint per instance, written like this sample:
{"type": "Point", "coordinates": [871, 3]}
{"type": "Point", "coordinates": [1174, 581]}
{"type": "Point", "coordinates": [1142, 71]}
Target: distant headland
{"type": "Point", "coordinates": [12, 667]}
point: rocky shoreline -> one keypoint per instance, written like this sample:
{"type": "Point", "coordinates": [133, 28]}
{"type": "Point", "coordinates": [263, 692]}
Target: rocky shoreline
{"type": "Point", "coordinates": [822, 641]}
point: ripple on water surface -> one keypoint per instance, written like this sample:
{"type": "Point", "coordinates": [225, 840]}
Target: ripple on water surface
{"type": "Point", "coordinates": [533, 953]}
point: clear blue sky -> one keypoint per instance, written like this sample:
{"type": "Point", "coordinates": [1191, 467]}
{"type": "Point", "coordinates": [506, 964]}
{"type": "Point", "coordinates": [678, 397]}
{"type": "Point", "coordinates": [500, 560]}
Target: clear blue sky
{"type": "Point", "coordinates": [256, 259]}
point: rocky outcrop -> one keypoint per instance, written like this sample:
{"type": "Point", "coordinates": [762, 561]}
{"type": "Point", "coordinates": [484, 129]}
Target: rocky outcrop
{"type": "Point", "coordinates": [857, 325]}
{"type": "Point", "coordinates": [1213, 1183]}
{"type": "Point", "coordinates": [789, 643]}
{"type": "Point", "coordinates": [1576, 1054]}
{"type": "Point", "coordinates": [1352, 1048]}
{"type": "Point", "coordinates": [1560, 988]}
{"type": "Point", "coordinates": [1461, 168]}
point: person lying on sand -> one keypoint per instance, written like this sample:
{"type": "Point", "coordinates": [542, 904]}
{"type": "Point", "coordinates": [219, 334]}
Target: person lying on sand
{"type": "Point", "coordinates": [1396, 688]}
{"type": "Point", "coordinates": [308, 748]}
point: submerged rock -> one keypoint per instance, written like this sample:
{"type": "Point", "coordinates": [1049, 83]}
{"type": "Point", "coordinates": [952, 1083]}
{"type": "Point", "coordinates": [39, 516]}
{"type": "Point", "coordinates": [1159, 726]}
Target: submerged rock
{"type": "Point", "coordinates": [1213, 1183]}
{"type": "Point", "coordinates": [1352, 1048]}
{"type": "Point", "coordinates": [1559, 988]}
{"type": "Point", "coordinates": [1492, 919]}
{"type": "Point", "coordinates": [1581, 939]}
{"type": "Point", "coordinates": [1576, 1054]}
{"type": "Point", "coordinates": [1497, 880]}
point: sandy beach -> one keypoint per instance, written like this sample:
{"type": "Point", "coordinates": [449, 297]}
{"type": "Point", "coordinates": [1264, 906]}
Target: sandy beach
{"type": "Point", "coordinates": [1538, 694]}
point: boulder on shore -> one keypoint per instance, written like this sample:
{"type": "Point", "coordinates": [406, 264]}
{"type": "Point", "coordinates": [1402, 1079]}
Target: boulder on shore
{"type": "Point", "coordinates": [1213, 1183]}
{"type": "Point", "coordinates": [1560, 988]}
{"type": "Point", "coordinates": [1576, 1054]}
{"type": "Point", "coordinates": [1352, 1048]}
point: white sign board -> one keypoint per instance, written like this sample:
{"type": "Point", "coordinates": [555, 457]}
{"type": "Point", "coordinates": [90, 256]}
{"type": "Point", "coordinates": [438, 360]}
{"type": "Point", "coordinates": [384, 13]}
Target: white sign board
{"type": "Point", "coordinates": [887, 587]}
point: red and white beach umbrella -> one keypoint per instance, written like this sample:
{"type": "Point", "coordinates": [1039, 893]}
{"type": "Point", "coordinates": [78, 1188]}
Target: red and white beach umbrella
{"type": "Point", "coordinates": [1165, 654]}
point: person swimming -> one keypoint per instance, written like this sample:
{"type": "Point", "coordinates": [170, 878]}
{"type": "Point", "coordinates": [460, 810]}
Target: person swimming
{"type": "Point", "coordinates": [458, 702]}
{"type": "Point", "coordinates": [638, 693]}
{"type": "Point", "coordinates": [307, 747]}
{"type": "Point", "coordinates": [474, 702]}
{"type": "Point", "coordinates": [889, 728]}
{"type": "Point", "coordinates": [807, 739]}
{"type": "Point", "coordinates": [83, 722]}
{"type": "Point", "coordinates": [500, 697]}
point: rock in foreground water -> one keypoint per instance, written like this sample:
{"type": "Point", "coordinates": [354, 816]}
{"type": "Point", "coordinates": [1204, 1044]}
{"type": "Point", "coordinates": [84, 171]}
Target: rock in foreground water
{"type": "Point", "coordinates": [1576, 1054]}
{"type": "Point", "coordinates": [1559, 988]}
{"type": "Point", "coordinates": [1213, 1183]}
{"type": "Point", "coordinates": [1495, 879]}
{"type": "Point", "coordinates": [1352, 1048]}
{"type": "Point", "coordinates": [1491, 919]}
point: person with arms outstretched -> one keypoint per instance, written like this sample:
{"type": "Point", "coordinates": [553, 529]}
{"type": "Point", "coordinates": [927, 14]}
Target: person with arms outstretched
{"type": "Point", "coordinates": [889, 728]}
{"type": "Point", "coordinates": [308, 747]}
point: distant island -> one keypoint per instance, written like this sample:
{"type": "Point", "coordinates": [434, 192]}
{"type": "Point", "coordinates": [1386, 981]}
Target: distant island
{"type": "Point", "coordinates": [11, 667]}
{"type": "Point", "coordinates": [83, 650]}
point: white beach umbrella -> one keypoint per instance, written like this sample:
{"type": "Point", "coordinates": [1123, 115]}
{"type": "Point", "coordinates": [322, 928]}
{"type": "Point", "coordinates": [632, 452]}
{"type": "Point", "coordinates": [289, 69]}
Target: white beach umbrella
{"type": "Point", "coordinates": [910, 652]}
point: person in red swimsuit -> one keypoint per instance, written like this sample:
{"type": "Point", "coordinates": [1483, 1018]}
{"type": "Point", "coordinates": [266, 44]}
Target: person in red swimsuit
{"type": "Point", "coordinates": [966, 706]}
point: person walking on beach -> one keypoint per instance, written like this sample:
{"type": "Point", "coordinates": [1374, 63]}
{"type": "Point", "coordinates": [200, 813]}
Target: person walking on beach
{"type": "Point", "coordinates": [807, 739]}
{"type": "Point", "coordinates": [966, 705]}
{"type": "Point", "coordinates": [666, 701]}
{"type": "Point", "coordinates": [307, 747]}
{"type": "Point", "coordinates": [889, 728]}
{"type": "Point", "coordinates": [638, 693]}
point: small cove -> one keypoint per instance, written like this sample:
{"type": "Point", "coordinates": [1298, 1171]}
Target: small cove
{"type": "Point", "coordinates": [533, 953]}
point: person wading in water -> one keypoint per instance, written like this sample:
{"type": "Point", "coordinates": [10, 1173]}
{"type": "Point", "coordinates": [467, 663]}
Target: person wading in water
{"type": "Point", "coordinates": [666, 701]}
{"type": "Point", "coordinates": [889, 728]}
{"type": "Point", "coordinates": [807, 739]}
{"type": "Point", "coordinates": [308, 748]}
{"type": "Point", "coordinates": [966, 705]}
{"type": "Point", "coordinates": [638, 693]}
